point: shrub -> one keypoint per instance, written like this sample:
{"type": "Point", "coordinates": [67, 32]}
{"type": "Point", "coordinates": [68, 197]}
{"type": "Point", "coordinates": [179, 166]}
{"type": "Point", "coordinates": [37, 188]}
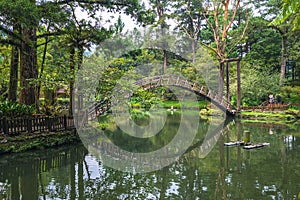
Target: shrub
{"type": "Point", "coordinates": [13, 109]}
{"type": "Point", "coordinates": [290, 94]}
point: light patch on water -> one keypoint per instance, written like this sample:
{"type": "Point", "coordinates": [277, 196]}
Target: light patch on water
{"type": "Point", "coordinates": [228, 178]}
{"type": "Point", "coordinates": [95, 170]}
{"type": "Point", "coordinates": [173, 188]}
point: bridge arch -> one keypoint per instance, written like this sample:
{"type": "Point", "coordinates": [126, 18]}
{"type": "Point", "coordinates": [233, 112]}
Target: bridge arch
{"type": "Point", "coordinates": [179, 81]}
{"type": "Point", "coordinates": [169, 80]}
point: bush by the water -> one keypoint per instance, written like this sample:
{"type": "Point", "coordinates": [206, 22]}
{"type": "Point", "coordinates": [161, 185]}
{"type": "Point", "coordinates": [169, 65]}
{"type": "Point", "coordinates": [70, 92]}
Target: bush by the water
{"type": "Point", "coordinates": [13, 109]}
{"type": "Point", "coordinates": [290, 94]}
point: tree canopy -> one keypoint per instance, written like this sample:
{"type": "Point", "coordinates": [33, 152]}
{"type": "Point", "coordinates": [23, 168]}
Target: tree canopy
{"type": "Point", "coordinates": [44, 43]}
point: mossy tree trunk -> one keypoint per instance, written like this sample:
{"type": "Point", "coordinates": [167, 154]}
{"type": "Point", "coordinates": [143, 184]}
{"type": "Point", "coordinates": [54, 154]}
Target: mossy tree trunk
{"type": "Point", "coordinates": [28, 67]}
{"type": "Point", "coordinates": [13, 79]}
{"type": "Point", "coordinates": [71, 83]}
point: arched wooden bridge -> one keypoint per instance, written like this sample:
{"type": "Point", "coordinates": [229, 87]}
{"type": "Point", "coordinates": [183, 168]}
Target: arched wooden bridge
{"type": "Point", "coordinates": [169, 80]}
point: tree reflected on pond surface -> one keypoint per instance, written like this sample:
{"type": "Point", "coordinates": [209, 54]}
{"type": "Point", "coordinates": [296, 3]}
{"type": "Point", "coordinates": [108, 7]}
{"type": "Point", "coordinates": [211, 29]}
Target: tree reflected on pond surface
{"type": "Point", "coordinates": [70, 172]}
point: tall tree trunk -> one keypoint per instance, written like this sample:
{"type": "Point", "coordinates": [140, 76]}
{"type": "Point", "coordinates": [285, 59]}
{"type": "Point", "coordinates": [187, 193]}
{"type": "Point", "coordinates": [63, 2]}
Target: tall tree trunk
{"type": "Point", "coordinates": [80, 61]}
{"type": "Point", "coordinates": [160, 12]}
{"type": "Point", "coordinates": [165, 61]}
{"type": "Point", "coordinates": [283, 57]}
{"type": "Point", "coordinates": [72, 176]}
{"type": "Point", "coordinates": [43, 63]}
{"type": "Point", "coordinates": [13, 79]}
{"type": "Point", "coordinates": [194, 49]}
{"type": "Point", "coordinates": [72, 71]}
{"type": "Point", "coordinates": [49, 99]}
{"type": "Point", "coordinates": [28, 67]}
{"type": "Point", "coordinates": [80, 178]}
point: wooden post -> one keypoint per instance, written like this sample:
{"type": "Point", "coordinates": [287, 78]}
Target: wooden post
{"type": "Point", "coordinates": [65, 122]}
{"type": "Point", "coordinates": [29, 125]}
{"type": "Point", "coordinates": [5, 126]}
{"type": "Point", "coordinates": [238, 85]}
{"type": "Point", "coordinates": [227, 82]}
{"type": "Point", "coordinates": [49, 124]}
{"type": "Point", "coordinates": [247, 137]}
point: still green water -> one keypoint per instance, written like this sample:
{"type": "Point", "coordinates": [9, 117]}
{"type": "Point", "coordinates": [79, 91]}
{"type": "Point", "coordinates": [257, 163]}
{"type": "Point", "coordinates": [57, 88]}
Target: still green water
{"type": "Point", "coordinates": [71, 172]}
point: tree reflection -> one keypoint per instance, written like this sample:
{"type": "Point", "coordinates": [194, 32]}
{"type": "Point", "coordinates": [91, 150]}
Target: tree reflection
{"type": "Point", "coordinates": [225, 173]}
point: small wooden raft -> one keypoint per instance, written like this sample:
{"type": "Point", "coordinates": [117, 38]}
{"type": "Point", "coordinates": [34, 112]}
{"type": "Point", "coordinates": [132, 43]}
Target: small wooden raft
{"type": "Point", "coordinates": [258, 145]}
{"type": "Point", "coordinates": [246, 145]}
{"type": "Point", "coordinates": [234, 143]}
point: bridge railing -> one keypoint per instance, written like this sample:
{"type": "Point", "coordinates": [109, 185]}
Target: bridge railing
{"type": "Point", "coordinates": [97, 108]}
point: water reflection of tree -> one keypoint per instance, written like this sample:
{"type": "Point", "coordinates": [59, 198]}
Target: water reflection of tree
{"type": "Point", "coordinates": [221, 184]}
{"type": "Point", "coordinates": [31, 174]}
{"type": "Point", "coordinates": [226, 173]}
{"type": "Point", "coordinates": [266, 172]}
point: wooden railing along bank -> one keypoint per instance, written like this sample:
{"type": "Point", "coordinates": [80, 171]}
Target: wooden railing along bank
{"type": "Point", "coordinates": [266, 108]}
{"type": "Point", "coordinates": [35, 124]}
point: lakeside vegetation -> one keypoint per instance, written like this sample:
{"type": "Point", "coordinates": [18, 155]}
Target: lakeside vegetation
{"type": "Point", "coordinates": [240, 55]}
{"type": "Point", "coordinates": [149, 99]}
{"type": "Point", "coordinates": [58, 43]}
{"type": "Point", "coordinates": [21, 143]}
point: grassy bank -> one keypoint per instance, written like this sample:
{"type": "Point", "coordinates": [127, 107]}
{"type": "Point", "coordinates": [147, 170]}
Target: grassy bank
{"type": "Point", "coordinates": [26, 142]}
{"type": "Point", "coordinates": [176, 104]}
{"type": "Point", "coordinates": [278, 117]}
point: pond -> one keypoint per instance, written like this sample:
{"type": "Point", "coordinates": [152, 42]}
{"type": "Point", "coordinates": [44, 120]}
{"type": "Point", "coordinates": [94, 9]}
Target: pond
{"type": "Point", "coordinates": [74, 172]}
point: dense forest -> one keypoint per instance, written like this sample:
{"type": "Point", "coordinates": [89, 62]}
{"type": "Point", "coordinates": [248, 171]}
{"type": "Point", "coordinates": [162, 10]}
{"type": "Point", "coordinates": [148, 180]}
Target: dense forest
{"type": "Point", "coordinates": [45, 42]}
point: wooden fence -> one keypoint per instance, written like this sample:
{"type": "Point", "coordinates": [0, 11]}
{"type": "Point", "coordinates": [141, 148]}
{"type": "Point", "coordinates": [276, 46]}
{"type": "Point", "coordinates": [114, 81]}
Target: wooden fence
{"type": "Point", "coordinates": [36, 124]}
{"type": "Point", "coordinates": [263, 108]}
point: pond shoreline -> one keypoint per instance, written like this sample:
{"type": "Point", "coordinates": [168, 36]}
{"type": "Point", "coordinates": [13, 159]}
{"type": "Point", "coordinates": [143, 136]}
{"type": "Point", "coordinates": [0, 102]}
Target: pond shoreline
{"type": "Point", "coordinates": [36, 141]}
{"type": "Point", "coordinates": [269, 116]}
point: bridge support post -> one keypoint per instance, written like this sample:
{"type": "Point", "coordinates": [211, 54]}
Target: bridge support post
{"type": "Point", "coordinates": [227, 82]}
{"type": "Point", "coordinates": [5, 126]}
{"type": "Point", "coordinates": [238, 85]}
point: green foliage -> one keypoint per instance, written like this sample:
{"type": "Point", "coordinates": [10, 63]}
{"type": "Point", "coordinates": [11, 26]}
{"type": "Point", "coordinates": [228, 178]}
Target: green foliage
{"type": "Point", "coordinates": [144, 99]}
{"type": "Point", "coordinates": [4, 84]}
{"type": "Point", "coordinates": [13, 109]}
{"type": "Point", "coordinates": [4, 71]}
{"type": "Point", "coordinates": [290, 94]}
{"type": "Point", "coordinates": [269, 116]}
{"type": "Point", "coordinates": [265, 47]}
{"type": "Point", "coordinates": [140, 117]}
{"type": "Point", "coordinates": [294, 53]}
{"type": "Point", "coordinates": [207, 70]}
{"type": "Point", "coordinates": [256, 85]}
{"type": "Point", "coordinates": [290, 10]}
{"type": "Point", "coordinates": [267, 9]}
{"type": "Point", "coordinates": [21, 143]}
{"type": "Point", "coordinates": [187, 104]}
{"type": "Point", "coordinates": [60, 27]}
{"type": "Point", "coordinates": [103, 126]}
{"type": "Point", "coordinates": [293, 111]}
